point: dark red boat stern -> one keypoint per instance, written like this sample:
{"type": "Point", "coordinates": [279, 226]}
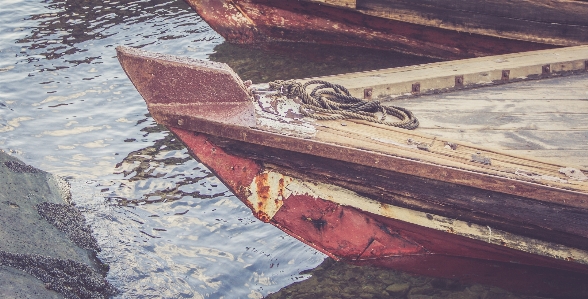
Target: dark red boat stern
{"type": "Point", "coordinates": [361, 238]}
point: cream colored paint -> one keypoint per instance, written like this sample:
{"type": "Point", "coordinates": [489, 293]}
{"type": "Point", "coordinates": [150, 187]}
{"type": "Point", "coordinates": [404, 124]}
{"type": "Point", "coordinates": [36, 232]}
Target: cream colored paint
{"type": "Point", "coordinates": [345, 197]}
{"type": "Point", "coordinates": [480, 71]}
{"type": "Point", "coordinates": [270, 181]}
{"type": "Point", "coordinates": [278, 114]}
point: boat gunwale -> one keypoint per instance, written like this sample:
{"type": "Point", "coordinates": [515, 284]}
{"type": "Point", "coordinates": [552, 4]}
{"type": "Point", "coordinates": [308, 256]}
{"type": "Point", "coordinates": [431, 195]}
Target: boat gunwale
{"type": "Point", "coordinates": [297, 144]}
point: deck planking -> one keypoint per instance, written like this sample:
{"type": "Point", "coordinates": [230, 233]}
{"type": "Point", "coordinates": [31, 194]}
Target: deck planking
{"type": "Point", "coordinates": [540, 111]}
{"type": "Point", "coordinates": [545, 119]}
{"type": "Point", "coordinates": [474, 72]}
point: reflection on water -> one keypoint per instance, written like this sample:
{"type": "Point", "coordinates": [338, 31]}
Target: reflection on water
{"type": "Point", "coordinates": [294, 60]}
{"type": "Point", "coordinates": [156, 162]}
{"type": "Point", "coordinates": [168, 227]}
{"type": "Point", "coordinates": [65, 26]}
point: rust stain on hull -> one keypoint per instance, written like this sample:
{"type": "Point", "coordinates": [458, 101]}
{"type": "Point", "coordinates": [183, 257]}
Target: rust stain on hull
{"type": "Point", "coordinates": [354, 236]}
{"type": "Point", "coordinates": [227, 19]}
{"type": "Point", "coordinates": [267, 193]}
{"type": "Point", "coordinates": [337, 229]}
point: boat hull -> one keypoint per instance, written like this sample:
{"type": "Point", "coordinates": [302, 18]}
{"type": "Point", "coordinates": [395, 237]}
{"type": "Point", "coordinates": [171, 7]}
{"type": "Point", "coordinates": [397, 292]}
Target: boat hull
{"type": "Point", "coordinates": [357, 236]}
{"type": "Point", "coordinates": [259, 22]}
{"type": "Point", "coordinates": [365, 193]}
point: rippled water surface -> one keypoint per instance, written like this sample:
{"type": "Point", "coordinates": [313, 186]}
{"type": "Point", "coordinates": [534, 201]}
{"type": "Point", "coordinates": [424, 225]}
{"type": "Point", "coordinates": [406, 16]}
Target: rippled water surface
{"type": "Point", "coordinates": [168, 227]}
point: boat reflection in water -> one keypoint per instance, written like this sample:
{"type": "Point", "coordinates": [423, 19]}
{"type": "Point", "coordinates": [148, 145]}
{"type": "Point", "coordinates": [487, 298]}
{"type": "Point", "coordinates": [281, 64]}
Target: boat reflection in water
{"type": "Point", "coordinates": [297, 60]}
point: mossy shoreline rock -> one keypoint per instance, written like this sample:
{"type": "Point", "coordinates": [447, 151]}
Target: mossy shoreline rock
{"type": "Point", "coordinates": [47, 250]}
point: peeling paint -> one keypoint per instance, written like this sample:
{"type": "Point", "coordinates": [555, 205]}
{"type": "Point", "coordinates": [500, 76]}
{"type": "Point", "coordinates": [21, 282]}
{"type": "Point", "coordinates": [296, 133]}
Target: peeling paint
{"type": "Point", "coordinates": [573, 173]}
{"type": "Point", "coordinates": [278, 114]}
{"type": "Point", "coordinates": [267, 193]}
{"type": "Point", "coordinates": [345, 197]}
{"type": "Point", "coordinates": [338, 22]}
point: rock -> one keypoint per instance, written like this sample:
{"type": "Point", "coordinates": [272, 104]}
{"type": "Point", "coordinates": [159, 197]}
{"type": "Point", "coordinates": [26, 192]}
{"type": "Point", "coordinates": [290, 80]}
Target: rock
{"type": "Point", "coordinates": [496, 293]}
{"type": "Point", "coordinates": [398, 289]}
{"type": "Point", "coordinates": [418, 292]}
{"type": "Point", "coordinates": [16, 283]}
{"type": "Point", "coordinates": [447, 284]}
{"type": "Point", "coordinates": [463, 295]}
{"type": "Point", "coordinates": [47, 250]}
{"type": "Point", "coordinates": [425, 290]}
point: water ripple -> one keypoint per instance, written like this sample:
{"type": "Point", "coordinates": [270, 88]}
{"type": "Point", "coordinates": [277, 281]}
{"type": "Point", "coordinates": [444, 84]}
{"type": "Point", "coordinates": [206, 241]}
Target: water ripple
{"type": "Point", "coordinates": [168, 227]}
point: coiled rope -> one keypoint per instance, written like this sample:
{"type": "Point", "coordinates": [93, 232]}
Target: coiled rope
{"type": "Point", "coordinates": [336, 101]}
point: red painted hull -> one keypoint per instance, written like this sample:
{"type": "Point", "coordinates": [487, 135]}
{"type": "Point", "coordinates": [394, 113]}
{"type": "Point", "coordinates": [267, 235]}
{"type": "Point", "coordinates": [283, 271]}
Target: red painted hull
{"type": "Point", "coordinates": [455, 222]}
{"type": "Point", "coordinates": [359, 237]}
{"type": "Point", "coordinates": [264, 21]}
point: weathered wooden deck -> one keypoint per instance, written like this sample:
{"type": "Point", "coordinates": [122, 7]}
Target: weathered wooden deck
{"type": "Point", "coordinates": [541, 113]}
{"type": "Point", "coordinates": [546, 119]}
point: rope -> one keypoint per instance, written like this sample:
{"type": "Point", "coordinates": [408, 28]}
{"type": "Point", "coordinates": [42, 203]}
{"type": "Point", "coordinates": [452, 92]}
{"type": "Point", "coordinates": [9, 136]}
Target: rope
{"type": "Point", "coordinates": [336, 101]}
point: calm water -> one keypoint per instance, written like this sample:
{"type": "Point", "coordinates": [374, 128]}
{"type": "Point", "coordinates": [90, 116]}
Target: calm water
{"type": "Point", "coordinates": [168, 227]}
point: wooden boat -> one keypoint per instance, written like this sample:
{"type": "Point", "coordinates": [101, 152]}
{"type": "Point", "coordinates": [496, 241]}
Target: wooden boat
{"type": "Point", "coordinates": [366, 192]}
{"type": "Point", "coordinates": [445, 29]}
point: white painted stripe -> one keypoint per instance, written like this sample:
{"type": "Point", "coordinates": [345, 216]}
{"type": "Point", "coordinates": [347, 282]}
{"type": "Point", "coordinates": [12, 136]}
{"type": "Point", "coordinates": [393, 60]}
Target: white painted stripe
{"type": "Point", "coordinates": [345, 197]}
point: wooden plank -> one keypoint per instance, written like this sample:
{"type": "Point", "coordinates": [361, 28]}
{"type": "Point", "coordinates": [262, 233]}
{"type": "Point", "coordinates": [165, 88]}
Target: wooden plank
{"type": "Point", "coordinates": [381, 140]}
{"type": "Point", "coordinates": [495, 103]}
{"type": "Point", "coordinates": [480, 71]}
{"type": "Point", "coordinates": [448, 119]}
{"type": "Point", "coordinates": [340, 3]}
{"type": "Point", "coordinates": [518, 139]}
{"type": "Point", "coordinates": [523, 117]}
{"type": "Point", "coordinates": [556, 89]}
{"type": "Point", "coordinates": [579, 158]}
{"type": "Point", "coordinates": [541, 183]}
{"type": "Point", "coordinates": [528, 117]}
{"type": "Point", "coordinates": [552, 22]}
{"type": "Point", "coordinates": [546, 11]}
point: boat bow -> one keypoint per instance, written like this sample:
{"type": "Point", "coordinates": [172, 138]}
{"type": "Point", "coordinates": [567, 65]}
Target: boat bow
{"type": "Point", "coordinates": [173, 85]}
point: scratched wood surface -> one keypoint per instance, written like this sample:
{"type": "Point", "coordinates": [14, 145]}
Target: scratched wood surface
{"type": "Point", "coordinates": [481, 71]}
{"type": "Point", "coordinates": [343, 3]}
{"type": "Point", "coordinates": [546, 119]}
{"type": "Point", "coordinates": [531, 130]}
